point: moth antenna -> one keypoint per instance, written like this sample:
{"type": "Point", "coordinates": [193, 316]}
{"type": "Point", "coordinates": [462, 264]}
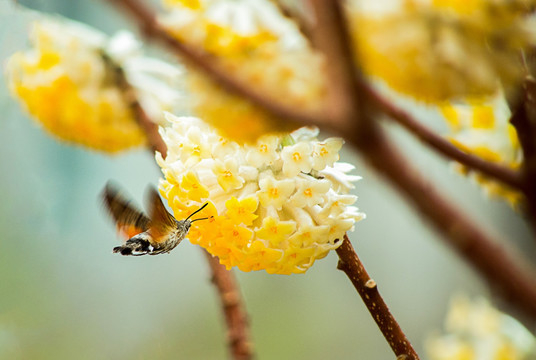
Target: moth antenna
{"type": "Point", "coordinates": [198, 210]}
{"type": "Point", "coordinates": [202, 219]}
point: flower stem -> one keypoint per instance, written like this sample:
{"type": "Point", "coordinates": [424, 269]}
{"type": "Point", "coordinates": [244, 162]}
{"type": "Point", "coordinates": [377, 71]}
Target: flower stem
{"type": "Point", "coordinates": [350, 263]}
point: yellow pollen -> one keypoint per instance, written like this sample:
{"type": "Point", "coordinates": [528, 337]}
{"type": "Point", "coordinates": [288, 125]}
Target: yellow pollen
{"type": "Point", "coordinates": [273, 229]}
{"type": "Point", "coordinates": [263, 148]}
{"type": "Point", "coordinates": [241, 211]}
{"type": "Point", "coordinates": [195, 186]}
{"type": "Point", "coordinates": [273, 192]}
{"type": "Point", "coordinates": [296, 156]}
{"type": "Point", "coordinates": [323, 151]}
{"type": "Point", "coordinates": [308, 192]}
{"type": "Point", "coordinates": [235, 233]}
{"type": "Point", "coordinates": [227, 173]}
{"type": "Point", "coordinates": [307, 235]}
{"type": "Point", "coordinates": [196, 150]}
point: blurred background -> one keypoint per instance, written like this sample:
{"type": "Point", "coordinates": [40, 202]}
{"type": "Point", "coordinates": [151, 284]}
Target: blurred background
{"type": "Point", "coordinates": [64, 295]}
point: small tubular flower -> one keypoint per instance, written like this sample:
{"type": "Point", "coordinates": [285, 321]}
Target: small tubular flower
{"type": "Point", "coordinates": [326, 153]}
{"type": "Point", "coordinates": [297, 158]}
{"type": "Point", "coordinates": [69, 81]}
{"type": "Point", "coordinates": [481, 127]}
{"type": "Point", "coordinates": [275, 192]}
{"type": "Point", "coordinates": [263, 219]}
{"type": "Point", "coordinates": [476, 330]}
{"type": "Point", "coordinates": [252, 41]}
{"type": "Point", "coordinates": [309, 193]}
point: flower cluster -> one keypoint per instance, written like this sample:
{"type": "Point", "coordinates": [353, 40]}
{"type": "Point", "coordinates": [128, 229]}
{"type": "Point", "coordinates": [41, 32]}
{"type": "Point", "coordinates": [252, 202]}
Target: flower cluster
{"type": "Point", "coordinates": [70, 81]}
{"type": "Point", "coordinates": [252, 41]}
{"type": "Point", "coordinates": [476, 330]}
{"type": "Point", "coordinates": [277, 205]}
{"type": "Point", "coordinates": [482, 128]}
{"type": "Point", "coordinates": [445, 49]}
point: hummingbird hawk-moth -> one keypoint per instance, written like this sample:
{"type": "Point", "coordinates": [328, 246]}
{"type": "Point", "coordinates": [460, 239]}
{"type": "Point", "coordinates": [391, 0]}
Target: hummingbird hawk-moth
{"type": "Point", "coordinates": [155, 234]}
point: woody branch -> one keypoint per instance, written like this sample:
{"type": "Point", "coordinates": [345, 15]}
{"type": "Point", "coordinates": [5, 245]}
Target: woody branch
{"type": "Point", "coordinates": [501, 268]}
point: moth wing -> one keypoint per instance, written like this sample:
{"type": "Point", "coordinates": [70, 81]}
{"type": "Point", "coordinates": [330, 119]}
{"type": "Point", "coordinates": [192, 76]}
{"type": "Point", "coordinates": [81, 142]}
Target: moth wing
{"type": "Point", "coordinates": [128, 218]}
{"type": "Point", "coordinates": [162, 222]}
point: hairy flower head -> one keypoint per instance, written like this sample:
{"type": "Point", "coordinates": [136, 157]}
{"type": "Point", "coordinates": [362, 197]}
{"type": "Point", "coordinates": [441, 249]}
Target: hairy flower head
{"type": "Point", "coordinates": [69, 82]}
{"type": "Point", "coordinates": [269, 211]}
{"type": "Point", "coordinates": [476, 330]}
{"type": "Point", "coordinates": [254, 43]}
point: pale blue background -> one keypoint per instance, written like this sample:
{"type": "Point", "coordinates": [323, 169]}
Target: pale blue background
{"type": "Point", "coordinates": [63, 295]}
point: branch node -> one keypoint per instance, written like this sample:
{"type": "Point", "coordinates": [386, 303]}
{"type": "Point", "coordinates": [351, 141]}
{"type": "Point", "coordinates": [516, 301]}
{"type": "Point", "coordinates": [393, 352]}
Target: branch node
{"type": "Point", "coordinates": [371, 284]}
{"type": "Point", "coordinates": [341, 265]}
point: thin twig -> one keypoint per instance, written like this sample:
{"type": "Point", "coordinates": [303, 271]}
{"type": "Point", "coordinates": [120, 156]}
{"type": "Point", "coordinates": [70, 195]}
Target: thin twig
{"type": "Point", "coordinates": [238, 336]}
{"type": "Point", "coordinates": [350, 263]}
{"type": "Point", "coordinates": [496, 171]}
{"type": "Point", "coordinates": [524, 121]}
{"type": "Point", "coordinates": [505, 271]}
{"type": "Point", "coordinates": [149, 127]}
{"type": "Point", "coordinates": [226, 285]}
{"type": "Point", "coordinates": [298, 18]}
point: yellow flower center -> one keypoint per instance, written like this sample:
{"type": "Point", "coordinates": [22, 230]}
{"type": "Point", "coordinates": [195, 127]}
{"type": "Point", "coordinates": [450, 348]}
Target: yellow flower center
{"type": "Point", "coordinates": [273, 192]}
{"type": "Point", "coordinates": [263, 148]}
{"type": "Point", "coordinates": [227, 174]}
{"type": "Point", "coordinates": [308, 192]}
{"type": "Point", "coordinates": [273, 229]}
{"type": "Point", "coordinates": [196, 150]}
{"type": "Point", "coordinates": [236, 233]}
{"type": "Point", "coordinates": [296, 156]}
{"type": "Point", "coordinates": [323, 151]}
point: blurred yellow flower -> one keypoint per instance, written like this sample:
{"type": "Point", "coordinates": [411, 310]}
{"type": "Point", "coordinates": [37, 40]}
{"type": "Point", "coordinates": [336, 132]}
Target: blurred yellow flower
{"type": "Point", "coordinates": [445, 49]}
{"type": "Point", "coordinates": [64, 82]}
{"type": "Point", "coordinates": [263, 216]}
{"type": "Point", "coordinates": [255, 44]}
{"type": "Point", "coordinates": [475, 330]}
{"type": "Point", "coordinates": [482, 127]}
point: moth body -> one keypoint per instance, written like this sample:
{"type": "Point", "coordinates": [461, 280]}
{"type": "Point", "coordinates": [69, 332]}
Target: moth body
{"type": "Point", "coordinates": [155, 234]}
